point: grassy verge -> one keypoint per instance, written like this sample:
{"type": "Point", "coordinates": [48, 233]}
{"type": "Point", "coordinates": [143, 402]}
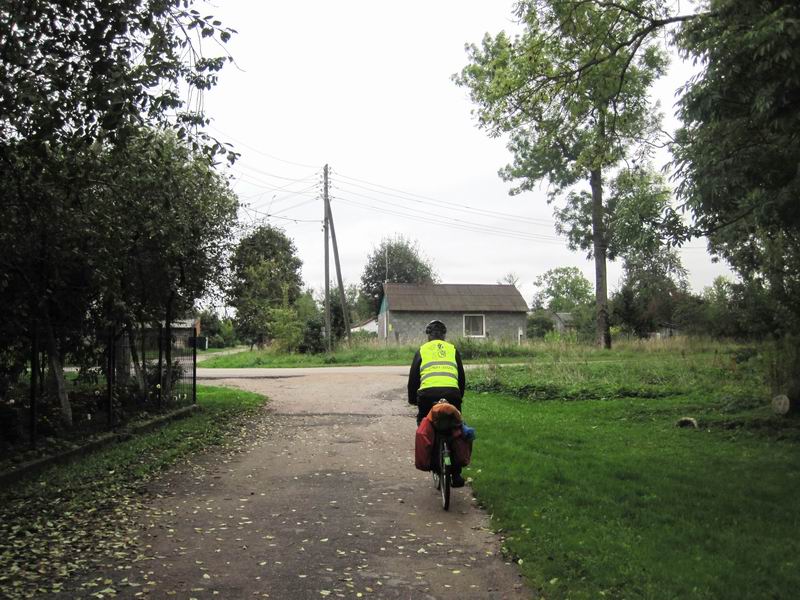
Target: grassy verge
{"type": "Point", "coordinates": [63, 521]}
{"type": "Point", "coordinates": [599, 494]}
{"type": "Point", "coordinates": [374, 353]}
{"type": "Point", "coordinates": [213, 350]}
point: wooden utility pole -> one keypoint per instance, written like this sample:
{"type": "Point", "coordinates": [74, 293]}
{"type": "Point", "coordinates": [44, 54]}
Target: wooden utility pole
{"type": "Point", "coordinates": [328, 332]}
{"type": "Point", "coordinates": [342, 297]}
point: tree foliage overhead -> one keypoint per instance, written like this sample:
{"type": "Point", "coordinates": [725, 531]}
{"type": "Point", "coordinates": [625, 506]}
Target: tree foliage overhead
{"type": "Point", "coordinates": [738, 151]}
{"type": "Point", "coordinates": [396, 260]}
{"type": "Point", "coordinates": [571, 94]}
{"type": "Point", "coordinates": [84, 69]}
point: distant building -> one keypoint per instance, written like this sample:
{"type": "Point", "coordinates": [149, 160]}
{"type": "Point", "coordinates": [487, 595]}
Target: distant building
{"type": "Point", "coordinates": [370, 326]}
{"type": "Point", "coordinates": [493, 312]}
{"type": "Point", "coordinates": [563, 321]}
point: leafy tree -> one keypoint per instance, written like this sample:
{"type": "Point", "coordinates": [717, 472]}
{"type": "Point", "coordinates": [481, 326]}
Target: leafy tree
{"type": "Point", "coordinates": [638, 211]}
{"type": "Point", "coordinates": [121, 248]}
{"type": "Point", "coordinates": [286, 329]}
{"type": "Point", "coordinates": [539, 324]}
{"type": "Point", "coordinates": [653, 286]}
{"type": "Point", "coordinates": [738, 150]}
{"type": "Point", "coordinates": [76, 78]}
{"type": "Point", "coordinates": [265, 275]}
{"type": "Point", "coordinates": [396, 260]}
{"type": "Point", "coordinates": [562, 290]}
{"type": "Point", "coordinates": [76, 71]}
{"type": "Point", "coordinates": [219, 330]}
{"type": "Point", "coordinates": [572, 100]}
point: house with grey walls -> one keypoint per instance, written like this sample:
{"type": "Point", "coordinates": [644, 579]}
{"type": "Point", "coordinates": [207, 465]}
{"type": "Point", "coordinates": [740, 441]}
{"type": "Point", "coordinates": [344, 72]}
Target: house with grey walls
{"type": "Point", "coordinates": [488, 312]}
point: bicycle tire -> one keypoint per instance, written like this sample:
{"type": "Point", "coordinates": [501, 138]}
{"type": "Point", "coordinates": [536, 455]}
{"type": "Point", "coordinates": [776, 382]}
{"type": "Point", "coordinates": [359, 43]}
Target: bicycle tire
{"type": "Point", "coordinates": [444, 479]}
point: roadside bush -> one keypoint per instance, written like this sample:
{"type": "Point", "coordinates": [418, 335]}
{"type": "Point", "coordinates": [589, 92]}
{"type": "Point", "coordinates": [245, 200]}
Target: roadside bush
{"type": "Point", "coordinates": [312, 342]}
{"type": "Point", "coordinates": [538, 325]}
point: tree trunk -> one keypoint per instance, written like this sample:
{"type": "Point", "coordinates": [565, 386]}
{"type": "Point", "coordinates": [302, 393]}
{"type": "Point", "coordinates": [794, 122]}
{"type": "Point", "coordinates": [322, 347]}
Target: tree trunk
{"type": "Point", "coordinates": [138, 370]}
{"type": "Point", "coordinates": [599, 242]}
{"type": "Point", "coordinates": [57, 372]}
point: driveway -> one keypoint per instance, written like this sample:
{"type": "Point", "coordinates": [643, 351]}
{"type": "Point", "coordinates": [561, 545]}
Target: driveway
{"type": "Point", "coordinates": [323, 502]}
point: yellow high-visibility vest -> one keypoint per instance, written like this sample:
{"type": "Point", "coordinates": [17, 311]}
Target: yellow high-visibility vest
{"type": "Point", "coordinates": [439, 367]}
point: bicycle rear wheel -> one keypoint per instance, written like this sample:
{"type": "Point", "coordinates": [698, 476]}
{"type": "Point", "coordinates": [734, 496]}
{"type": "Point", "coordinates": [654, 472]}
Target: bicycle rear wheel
{"type": "Point", "coordinates": [444, 469]}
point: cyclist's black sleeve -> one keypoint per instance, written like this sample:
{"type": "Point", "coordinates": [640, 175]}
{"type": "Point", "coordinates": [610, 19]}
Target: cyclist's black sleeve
{"type": "Point", "coordinates": [413, 378]}
{"type": "Point", "coordinates": [462, 378]}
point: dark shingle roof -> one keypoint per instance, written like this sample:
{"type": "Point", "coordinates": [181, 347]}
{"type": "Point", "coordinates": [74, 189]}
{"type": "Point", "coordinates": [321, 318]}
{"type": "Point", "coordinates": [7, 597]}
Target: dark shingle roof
{"type": "Point", "coordinates": [454, 297]}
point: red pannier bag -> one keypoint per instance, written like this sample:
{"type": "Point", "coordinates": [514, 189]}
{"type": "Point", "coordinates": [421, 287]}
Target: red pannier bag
{"type": "Point", "coordinates": [423, 445]}
{"type": "Point", "coordinates": [462, 449]}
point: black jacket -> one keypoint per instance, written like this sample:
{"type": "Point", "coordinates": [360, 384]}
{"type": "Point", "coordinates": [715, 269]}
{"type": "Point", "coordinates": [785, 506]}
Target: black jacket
{"type": "Point", "coordinates": [413, 380]}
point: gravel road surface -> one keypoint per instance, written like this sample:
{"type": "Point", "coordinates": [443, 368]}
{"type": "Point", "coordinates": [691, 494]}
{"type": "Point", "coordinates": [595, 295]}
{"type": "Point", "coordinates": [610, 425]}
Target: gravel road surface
{"type": "Point", "coordinates": [323, 501]}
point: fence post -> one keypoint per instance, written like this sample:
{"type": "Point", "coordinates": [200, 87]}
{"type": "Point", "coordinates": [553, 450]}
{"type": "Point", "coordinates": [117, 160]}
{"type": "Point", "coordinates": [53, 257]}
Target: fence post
{"type": "Point", "coordinates": [194, 369]}
{"type": "Point", "coordinates": [160, 362]}
{"type": "Point", "coordinates": [34, 383]}
{"type": "Point", "coordinates": [110, 378]}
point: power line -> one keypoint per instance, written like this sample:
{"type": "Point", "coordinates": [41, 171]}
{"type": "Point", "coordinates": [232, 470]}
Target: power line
{"type": "Point", "coordinates": [266, 215]}
{"type": "Point", "coordinates": [421, 199]}
{"type": "Point", "coordinates": [449, 218]}
{"type": "Point", "coordinates": [453, 224]}
{"type": "Point", "coordinates": [275, 199]}
{"type": "Point", "coordinates": [307, 177]}
{"type": "Point", "coordinates": [257, 151]}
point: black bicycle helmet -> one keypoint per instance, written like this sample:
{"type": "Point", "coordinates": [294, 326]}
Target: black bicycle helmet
{"type": "Point", "coordinates": [436, 325]}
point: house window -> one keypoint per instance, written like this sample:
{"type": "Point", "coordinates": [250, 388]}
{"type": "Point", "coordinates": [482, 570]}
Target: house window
{"type": "Point", "coordinates": [474, 326]}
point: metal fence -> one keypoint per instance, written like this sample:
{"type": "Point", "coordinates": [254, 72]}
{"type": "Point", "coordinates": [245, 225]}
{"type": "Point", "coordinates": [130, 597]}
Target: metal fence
{"type": "Point", "coordinates": [135, 375]}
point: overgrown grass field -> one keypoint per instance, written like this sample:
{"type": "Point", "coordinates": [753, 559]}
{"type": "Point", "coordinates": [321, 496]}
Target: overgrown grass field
{"type": "Point", "coordinates": [599, 494]}
{"type": "Point", "coordinates": [86, 509]}
{"type": "Point", "coordinates": [377, 353]}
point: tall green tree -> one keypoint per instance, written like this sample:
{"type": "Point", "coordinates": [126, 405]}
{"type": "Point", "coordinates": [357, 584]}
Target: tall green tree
{"type": "Point", "coordinates": [562, 289]}
{"type": "Point", "coordinates": [572, 97]}
{"type": "Point", "coordinates": [265, 275]}
{"type": "Point", "coordinates": [396, 260]}
{"type": "Point", "coordinates": [653, 287]}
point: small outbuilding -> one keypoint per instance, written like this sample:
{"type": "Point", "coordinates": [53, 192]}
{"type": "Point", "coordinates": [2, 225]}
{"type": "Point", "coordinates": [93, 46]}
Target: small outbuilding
{"type": "Point", "coordinates": [563, 321]}
{"type": "Point", "coordinates": [494, 312]}
{"type": "Point", "coordinates": [368, 326]}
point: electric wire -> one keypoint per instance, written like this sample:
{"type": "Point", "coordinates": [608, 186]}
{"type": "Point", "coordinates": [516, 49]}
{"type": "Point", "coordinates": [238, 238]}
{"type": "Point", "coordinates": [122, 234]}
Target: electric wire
{"type": "Point", "coordinates": [481, 226]}
{"type": "Point", "coordinates": [257, 151]}
{"type": "Point", "coordinates": [446, 222]}
{"type": "Point", "coordinates": [422, 199]}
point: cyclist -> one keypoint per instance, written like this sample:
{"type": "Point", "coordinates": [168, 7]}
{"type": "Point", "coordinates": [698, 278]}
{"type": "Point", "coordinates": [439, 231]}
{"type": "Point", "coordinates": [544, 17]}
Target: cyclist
{"type": "Point", "coordinates": [436, 372]}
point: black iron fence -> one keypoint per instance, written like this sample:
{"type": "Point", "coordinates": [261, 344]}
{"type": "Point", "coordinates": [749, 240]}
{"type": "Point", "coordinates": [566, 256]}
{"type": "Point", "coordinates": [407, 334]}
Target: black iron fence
{"type": "Point", "coordinates": [134, 375]}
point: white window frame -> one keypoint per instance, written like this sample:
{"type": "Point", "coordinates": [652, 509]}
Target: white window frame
{"type": "Point", "coordinates": [464, 323]}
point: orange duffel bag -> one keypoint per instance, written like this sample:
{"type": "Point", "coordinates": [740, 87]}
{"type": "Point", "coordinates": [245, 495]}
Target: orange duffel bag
{"type": "Point", "coordinates": [445, 416]}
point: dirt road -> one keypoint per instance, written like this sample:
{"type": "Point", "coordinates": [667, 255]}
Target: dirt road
{"type": "Point", "coordinates": [323, 503]}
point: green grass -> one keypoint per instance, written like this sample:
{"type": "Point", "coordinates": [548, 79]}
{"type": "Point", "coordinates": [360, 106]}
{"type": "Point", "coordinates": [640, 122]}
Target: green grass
{"type": "Point", "coordinates": [359, 355]}
{"type": "Point", "coordinates": [472, 351]}
{"type": "Point", "coordinates": [377, 353]}
{"type": "Point", "coordinates": [52, 526]}
{"type": "Point", "coordinates": [601, 495]}
{"type": "Point", "coordinates": [213, 350]}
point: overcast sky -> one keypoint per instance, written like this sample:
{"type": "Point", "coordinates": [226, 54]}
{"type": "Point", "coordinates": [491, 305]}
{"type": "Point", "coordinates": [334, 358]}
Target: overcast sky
{"type": "Point", "coordinates": [366, 87]}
